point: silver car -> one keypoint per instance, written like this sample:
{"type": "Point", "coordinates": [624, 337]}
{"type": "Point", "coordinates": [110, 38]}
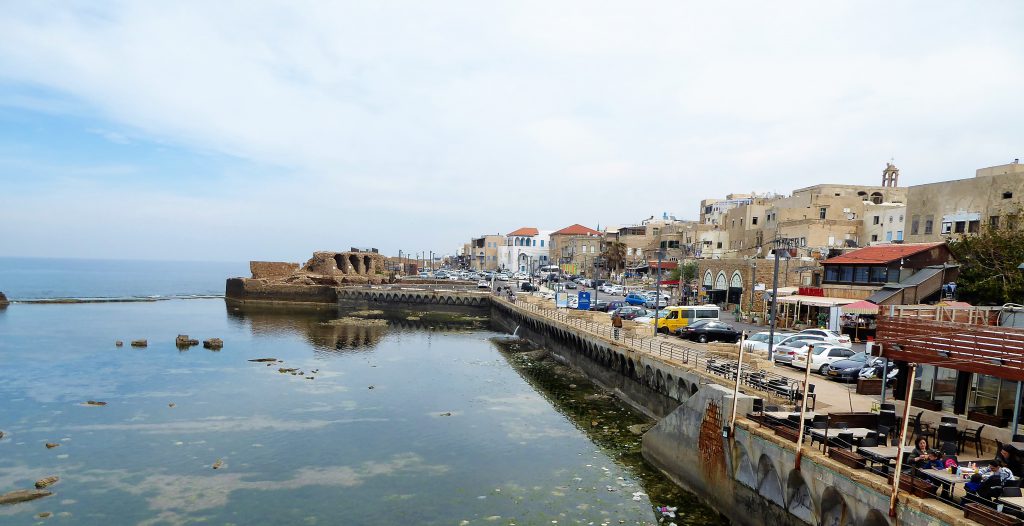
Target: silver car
{"type": "Point", "coordinates": [787, 349]}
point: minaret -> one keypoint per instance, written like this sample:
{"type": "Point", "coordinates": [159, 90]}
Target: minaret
{"type": "Point", "coordinates": [891, 175]}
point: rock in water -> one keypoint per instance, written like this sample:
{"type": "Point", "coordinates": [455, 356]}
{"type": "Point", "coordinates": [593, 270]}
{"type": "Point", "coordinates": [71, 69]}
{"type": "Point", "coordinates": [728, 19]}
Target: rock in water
{"type": "Point", "coordinates": [170, 404]}
{"type": "Point", "coordinates": [94, 403]}
{"type": "Point", "coordinates": [263, 360]}
{"type": "Point", "coordinates": [47, 482]}
{"type": "Point", "coordinates": [3, 300]}
{"type": "Point", "coordinates": [140, 343]}
{"type": "Point", "coordinates": [118, 343]}
{"type": "Point", "coordinates": [213, 343]}
{"type": "Point", "coordinates": [184, 342]}
{"type": "Point", "coordinates": [51, 445]}
{"type": "Point", "coordinates": [23, 495]}
{"type": "Point", "coordinates": [285, 370]}
{"type": "Point", "coordinates": [44, 515]}
{"type": "Point", "coordinates": [218, 464]}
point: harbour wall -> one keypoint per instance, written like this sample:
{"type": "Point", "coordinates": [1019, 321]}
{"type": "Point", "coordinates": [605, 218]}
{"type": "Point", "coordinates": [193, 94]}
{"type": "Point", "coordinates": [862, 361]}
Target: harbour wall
{"type": "Point", "coordinates": [750, 476]}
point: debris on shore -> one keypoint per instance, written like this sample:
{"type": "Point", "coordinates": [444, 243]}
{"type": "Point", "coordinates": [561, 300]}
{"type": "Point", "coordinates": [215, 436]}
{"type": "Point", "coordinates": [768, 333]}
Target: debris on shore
{"type": "Point", "coordinates": [23, 495]}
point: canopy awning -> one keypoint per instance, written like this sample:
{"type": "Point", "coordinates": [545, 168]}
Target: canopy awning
{"type": "Point", "coordinates": [860, 307]}
{"type": "Point", "coordinates": [815, 301]}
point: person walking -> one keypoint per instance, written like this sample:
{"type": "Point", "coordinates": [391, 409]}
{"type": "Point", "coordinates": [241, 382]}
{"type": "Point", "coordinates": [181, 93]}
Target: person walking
{"type": "Point", "coordinates": [616, 324]}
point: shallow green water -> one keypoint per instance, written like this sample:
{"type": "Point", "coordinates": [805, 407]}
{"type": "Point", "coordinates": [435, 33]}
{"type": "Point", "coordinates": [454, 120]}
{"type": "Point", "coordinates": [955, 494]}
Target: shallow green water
{"type": "Point", "coordinates": [452, 430]}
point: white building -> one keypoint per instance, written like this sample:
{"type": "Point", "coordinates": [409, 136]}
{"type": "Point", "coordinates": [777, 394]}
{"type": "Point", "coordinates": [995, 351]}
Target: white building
{"type": "Point", "coordinates": [883, 223]}
{"type": "Point", "coordinates": [525, 249]}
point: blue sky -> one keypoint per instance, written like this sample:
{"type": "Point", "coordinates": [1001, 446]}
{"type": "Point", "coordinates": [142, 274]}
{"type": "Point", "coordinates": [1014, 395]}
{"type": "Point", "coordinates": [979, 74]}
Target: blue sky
{"type": "Point", "coordinates": [263, 130]}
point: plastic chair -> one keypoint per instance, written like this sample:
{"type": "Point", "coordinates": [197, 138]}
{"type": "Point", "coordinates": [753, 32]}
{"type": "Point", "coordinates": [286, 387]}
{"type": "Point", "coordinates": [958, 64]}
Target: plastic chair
{"type": "Point", "coordinates": [843, 440]}
{"type": "Point", "coordinates": [976, 439]}
{"type": "Point", "coordinates": [947, 433]}
{"type": "Point", "coordinates": [1018, 438]}
{"type": "Point", "coordinates": [922, 429]}
{"type": "Point", "coordinates": [818, 426]}
{"type": "Point", "coordinates": [883, 434]}
{"type": "Point", "coordinates": [812, 399]}
{"type": "Point", "coordinates": [949, 448]}
{"type": "Point", "coordinates": [868, 441]}
{"type": "Point", "coordinates": [949, 420]}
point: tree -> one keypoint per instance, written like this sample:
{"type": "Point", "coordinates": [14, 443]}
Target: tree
{"type": "Point", "coordinates": [689, 272]}
{"type": "Point", "coordinates": [615, 255]}
{"type": "Point", "coordinates": [988, 263]}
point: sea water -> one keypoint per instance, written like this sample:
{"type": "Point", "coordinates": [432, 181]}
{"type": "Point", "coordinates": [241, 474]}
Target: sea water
{"type": "Point", "coordinates": [382, 423]}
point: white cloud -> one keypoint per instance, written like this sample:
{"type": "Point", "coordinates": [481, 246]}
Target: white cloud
{"type": "Point", "coordinates": [414, 126]}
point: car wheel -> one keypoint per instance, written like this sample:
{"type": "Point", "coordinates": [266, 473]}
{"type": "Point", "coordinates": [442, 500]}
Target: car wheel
{"type": "Point", "coordinates": [823, 370]}
{"type": "Point", "coordinates": [702, 338]}
{"type": "Point", "coordinates": [663, 330]}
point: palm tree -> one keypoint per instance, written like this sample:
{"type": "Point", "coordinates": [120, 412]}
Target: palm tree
{"type": "Point", "coordinates": [614, 255]}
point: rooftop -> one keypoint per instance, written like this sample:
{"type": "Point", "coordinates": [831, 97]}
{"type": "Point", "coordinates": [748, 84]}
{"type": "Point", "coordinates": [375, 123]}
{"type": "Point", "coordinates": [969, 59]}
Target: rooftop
{"type": "Point", "coordinates": [879, 254]}
{"type": "Point", "coordinates": [524, 231]}
{"type": "Point", "coordinates": [576, 230]}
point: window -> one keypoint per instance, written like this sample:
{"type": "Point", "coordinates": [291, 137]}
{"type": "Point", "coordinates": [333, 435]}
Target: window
{"type": "Point", "coordinates": [1007, 195]}
{"type": "Point", "coordinates": [928, 222]}
{"type": "Point", "coordinates": [946, 227]}
{"type": "Point", "coordinates": [753, 220]}
{"type": "Point", "coordinates": [901, 219]}
{"type": "Point", "coordinates": [832, 273]}
{"type": "Point", "coordinates": [890, 220]}
{"type": "Point", "coordinates": [657, 231]}
{"type": "Point", "coordinates": [874, 237]}
{"type": "Point", "coordinates": [542, 243]}
{"type": "Point", "coordinates": [974, 227]}
{"type": "Point", "coordinates": [846, 273]}
{"type": "Point", "coordinates": [860, 274]}
{"type": "Point", "coordinates": [719, 244]}
{"type": "Point", "coordinates": [899, 235]}
{"type": "Point", "coordinates": [878, 274]}
{"type": "Point", "coordinates": [914, 221]}
{"type": "Point", "coordinates": [535, 243]}
{"type": "Point", "coordinates": [993, 222]}
{"type": "Point", "coordinates": [821, 212]}
{"type": "Point", "coordinates": [876, 220]}
{"type": "Point", "coordinates": [960, 227]}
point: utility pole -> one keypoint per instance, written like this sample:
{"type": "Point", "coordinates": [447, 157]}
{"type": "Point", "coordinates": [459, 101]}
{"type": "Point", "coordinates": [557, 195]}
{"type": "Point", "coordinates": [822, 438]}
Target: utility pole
{"type": "Point", "coordinates": [657, 295]}
{"type": "Point", "coordinates": [753, 279]}
{"type": "Point", "coordinates": [775, 303]}
{"type": "Point", "coordinates": [903, 438]}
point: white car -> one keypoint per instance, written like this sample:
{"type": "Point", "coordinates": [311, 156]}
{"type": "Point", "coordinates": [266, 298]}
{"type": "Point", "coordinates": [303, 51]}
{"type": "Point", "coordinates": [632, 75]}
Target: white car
{"type": "Point", "coordinates": [616, 289]}
{"type": "Point", "coordinates": [759, 342]}
{"type": "Point", "coordinates": [501, 277]}
{"type": "Point", "coordinates": [483, 284]}
{"type": "Point", "coordinates": [520, 275]}
{"type": "Point", "coordinates": [821, 356]}
{"type": "Point", "coordinates": [829, 336]}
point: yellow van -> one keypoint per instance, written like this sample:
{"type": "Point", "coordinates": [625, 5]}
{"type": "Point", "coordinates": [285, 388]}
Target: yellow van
{"type": "Point", "coordinates": [672, 319]}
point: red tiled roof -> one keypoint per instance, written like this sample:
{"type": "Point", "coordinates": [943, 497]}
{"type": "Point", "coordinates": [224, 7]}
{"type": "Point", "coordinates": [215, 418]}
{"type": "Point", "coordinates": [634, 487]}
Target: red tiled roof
{"type": "Point", "coordinates": [577, 230]}
{"type": "Point", "coordinates": [878, 254]}
{"type": "Point", "coordinates": [525, 231]}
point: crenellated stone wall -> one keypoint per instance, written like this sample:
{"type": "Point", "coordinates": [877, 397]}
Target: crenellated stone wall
{"type": "Point", "coordinates": [272, 269]}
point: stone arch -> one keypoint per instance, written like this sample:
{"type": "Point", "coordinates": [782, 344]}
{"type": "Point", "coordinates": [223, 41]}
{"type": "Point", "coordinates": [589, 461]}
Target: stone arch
{"type": "Point", "coordinates": [339, 261]}
{"type": "Point", "coordinates": [720, 282]}
{"type": "Point", "coordinates": [659, 382]}
{"type": "Point", "coordinates": [876, 198]}
{"type": "Point", "coordinates": [682, 389]}
{"type": "Point", "coordinates": [693, 389]}
{"type": "Point", "coordinates": [354, 264]}
{"type": "Point", "coordinates": [832, 509]}
{"type": "Point", "coordinates": [743, 470]}
{"type": "Point", "coordinates": [709, 280]}
{"type": "Point", "coordinates": [769, 485]}
{"type": "Point", "coordinates": [798, 495]}
{"type": "Point", "coordinates": [670, 385]}
{"type": "Point", "coordinates": [648, 379]}
{"type": "Point", "coordinates": [367, 265]}
{"type": "Point", "coordinates": [875, 518]}
{"type": "Point", "coordinates": [631, 368]}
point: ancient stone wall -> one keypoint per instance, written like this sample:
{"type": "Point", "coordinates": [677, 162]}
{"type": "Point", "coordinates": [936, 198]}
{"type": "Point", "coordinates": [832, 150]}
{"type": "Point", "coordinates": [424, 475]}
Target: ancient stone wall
{"type": "Point", "coordinates": [345, 264]}
{"type": "Point", "coordinates": [247, 290]}
{"type": "Point", "coordinates": [3, 300]}
{"type": "Point", "coordinates": [272, 269]}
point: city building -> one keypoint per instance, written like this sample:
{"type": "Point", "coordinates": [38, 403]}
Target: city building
{"type": "Point", "coordinates": [890, 274]}
{"type": "Point", "coordinates": [575, 249]}
{"type": "Point", "coordinates": [484, 251]}
{"type": "Point", "coordinates": [524, 249]}
{"type": "Point", "coordinates": [939, 211]}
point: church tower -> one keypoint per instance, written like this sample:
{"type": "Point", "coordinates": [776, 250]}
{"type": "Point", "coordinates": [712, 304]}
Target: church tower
{"type": "Point", "coordinates": [891, 175]}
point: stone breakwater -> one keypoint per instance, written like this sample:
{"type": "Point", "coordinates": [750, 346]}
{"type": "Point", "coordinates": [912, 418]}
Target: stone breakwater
{"type": "Point", "coordinates": [312, 283]}
{"type": "Point", "coordinates": [3, 300]}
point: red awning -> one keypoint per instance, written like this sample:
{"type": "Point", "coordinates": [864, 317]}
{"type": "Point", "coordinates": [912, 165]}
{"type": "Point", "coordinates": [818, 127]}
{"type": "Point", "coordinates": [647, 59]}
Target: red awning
{"type": "Point", "coordinates": [664, 264]}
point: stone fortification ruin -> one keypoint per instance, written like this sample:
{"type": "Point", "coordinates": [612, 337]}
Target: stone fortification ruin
{"type": "Point", "coordinates": [311, 282]}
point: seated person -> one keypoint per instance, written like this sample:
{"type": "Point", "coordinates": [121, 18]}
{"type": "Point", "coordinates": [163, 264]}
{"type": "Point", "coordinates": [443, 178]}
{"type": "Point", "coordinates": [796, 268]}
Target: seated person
{"type": "Point", "coordinates": [1007, 455]}
{"type": "Point", "coordinates": [919, 457]}
{"type": "Point", "coordinates": [935, 460]}
{"type": "Point", "coordinates": [987, 478]}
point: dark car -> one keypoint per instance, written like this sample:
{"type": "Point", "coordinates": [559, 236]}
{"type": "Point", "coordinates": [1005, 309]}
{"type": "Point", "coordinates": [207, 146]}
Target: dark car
{"type": "Point", "coordinates": [612, 305]}
{"type": "Point", "coordinates": [705, 331]}
{"type": "Point", "coordinates": [527, 287]}
{"type": "Point", "coordinates": [598, 305]}
{"type": "Point", "coordinates": [629, 312]}
{"type": "Point", "coordinates": [848, 370]}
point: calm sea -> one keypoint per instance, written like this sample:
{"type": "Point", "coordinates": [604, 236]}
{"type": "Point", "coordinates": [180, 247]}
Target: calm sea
{"type": "Point", "coordinates": [42, 278]}
{"type": "Point", "coordinates": [385, 422]}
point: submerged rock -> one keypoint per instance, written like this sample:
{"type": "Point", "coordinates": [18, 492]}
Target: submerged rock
{"type": "Point", "coordinates": [118, 343]}
{"type": "Point", "coordinates": [23, 495]}
{"type": "Point", "coordinates": [287, 370]}
{"type": "Point", "coordinates": [94, 403]}
{"type": "Point", "coordinates": [213, 343]}
{"type": "Point", "coordinates": [44, 515]}
{"type": "Point", "coordinates": [47, 481]}
{"type": "Point", "coordinates": [263, 360]}
{"type": "Point", "coordinates": [170, 404]}
{"type": "Point", "coordinates": [3, 300]}
{"type": "Point", "coordinates": [218, 464]}
{"type": "Point", "coordinates": [51, 445]}
{"type": "Point", "coordinates": [183, 341]}
{"type": "Point", "coordinates": [140, 343]}
{"type": "Point", "coordinates": [357, 321]}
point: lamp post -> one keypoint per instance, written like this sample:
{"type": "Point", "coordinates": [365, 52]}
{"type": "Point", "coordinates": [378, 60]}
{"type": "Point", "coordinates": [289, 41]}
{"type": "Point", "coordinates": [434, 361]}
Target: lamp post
{"type": "Point", "coordinates": [775, 304]}
{"type": "Point", "coordinates": [657, 296]}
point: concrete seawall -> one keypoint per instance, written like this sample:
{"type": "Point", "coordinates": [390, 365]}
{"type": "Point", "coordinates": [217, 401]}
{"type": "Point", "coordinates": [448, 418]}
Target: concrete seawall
{"type": "Point", "coordinates": [749, 477]}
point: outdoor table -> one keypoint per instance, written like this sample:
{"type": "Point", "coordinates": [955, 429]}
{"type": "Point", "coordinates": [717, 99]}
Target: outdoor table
{"type": "Point", "coordinates": [879, 454]}
{"type": "Point", "coordinates": [947, 480]}
{"type": "Point", "coordinates": [784, 415]}
{"type": "Point", "coordinates": [1019, 446]}
{"type": "Point", "coordinates": [1012, 501]}
{"type": "Point", "coordinates": [858, 432]}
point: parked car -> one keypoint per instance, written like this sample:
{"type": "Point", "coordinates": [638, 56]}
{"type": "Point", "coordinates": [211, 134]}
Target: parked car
{"type": "Point", "coordinates": [612, 305]}
{"type": "Point", "coordinates": [483, 284]}
{"type": "Point", "coordinates": [648, 316]}
{"type": "Point", "coordinates": [636, 298]}
{"type": "Point", "coordinates": [527, 287]}
{"type": "Point", "coordinates": [570, 285]}
{"type": "Point", "coordinates": [848, 370]}
{"type": "Point", "coordinates": [502, 277]}
{"type": "Point", "coordinates": [821, 356]}
{"type": "Point", "coordinates": [829, 336]}
{"type": "Point", "coordinates": [598, 305]}
{"type": "Point", "coordinates": [629, 312]}
{"type": "Point", "coordinates": [759, 342]}
{"type": "Point", "coordinates": [705, 331]}
{"type": "Point", "coordinates": [655, 303]}
{"type": "Point", "coordinates": [788, 348]}
{"type": "Point", "coordinates": [616, 289]}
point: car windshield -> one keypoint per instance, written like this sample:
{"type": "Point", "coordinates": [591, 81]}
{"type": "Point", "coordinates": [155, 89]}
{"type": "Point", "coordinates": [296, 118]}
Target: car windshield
{"type": "Point", "coordinates": [819, 350]}
{"type": "Point", "coordinates": [663, 313]}
{"type": "Point", "coordinates": [778, 337]}
{"type": "Point", "coordinates": [760, 337]}
{"type": "Point", "coordinates": [859, 357]}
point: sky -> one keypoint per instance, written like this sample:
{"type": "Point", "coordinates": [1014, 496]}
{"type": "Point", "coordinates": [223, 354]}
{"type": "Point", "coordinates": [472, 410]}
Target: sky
{"type": "Point", "coordinates": [246, 130]}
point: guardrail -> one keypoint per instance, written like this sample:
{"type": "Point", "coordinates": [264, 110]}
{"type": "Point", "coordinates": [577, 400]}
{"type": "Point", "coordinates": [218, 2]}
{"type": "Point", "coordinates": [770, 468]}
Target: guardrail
{"type": "Point", "coordinates": [772, 384]}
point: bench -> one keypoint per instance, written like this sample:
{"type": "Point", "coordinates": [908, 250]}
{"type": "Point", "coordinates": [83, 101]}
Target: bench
{"type": "Point", "coordinates": [787, 432]}
{"type": "Point", "coordinates": [989, 517]}
{"type": "Point", "coordinates": [917, 487]}
{"type": "Point", "coordinates": [846, 458]}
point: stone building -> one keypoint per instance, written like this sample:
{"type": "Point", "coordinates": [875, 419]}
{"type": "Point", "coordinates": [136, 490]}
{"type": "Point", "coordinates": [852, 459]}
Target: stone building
{"type": "Point", "coordinates": [940, 211]}
{"type": "Point", "coordinates": [575, 249]}
{"type": "Point", "coordinates": [484, 251]}
{"type": "Point", "coordinates": [744, 282]}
